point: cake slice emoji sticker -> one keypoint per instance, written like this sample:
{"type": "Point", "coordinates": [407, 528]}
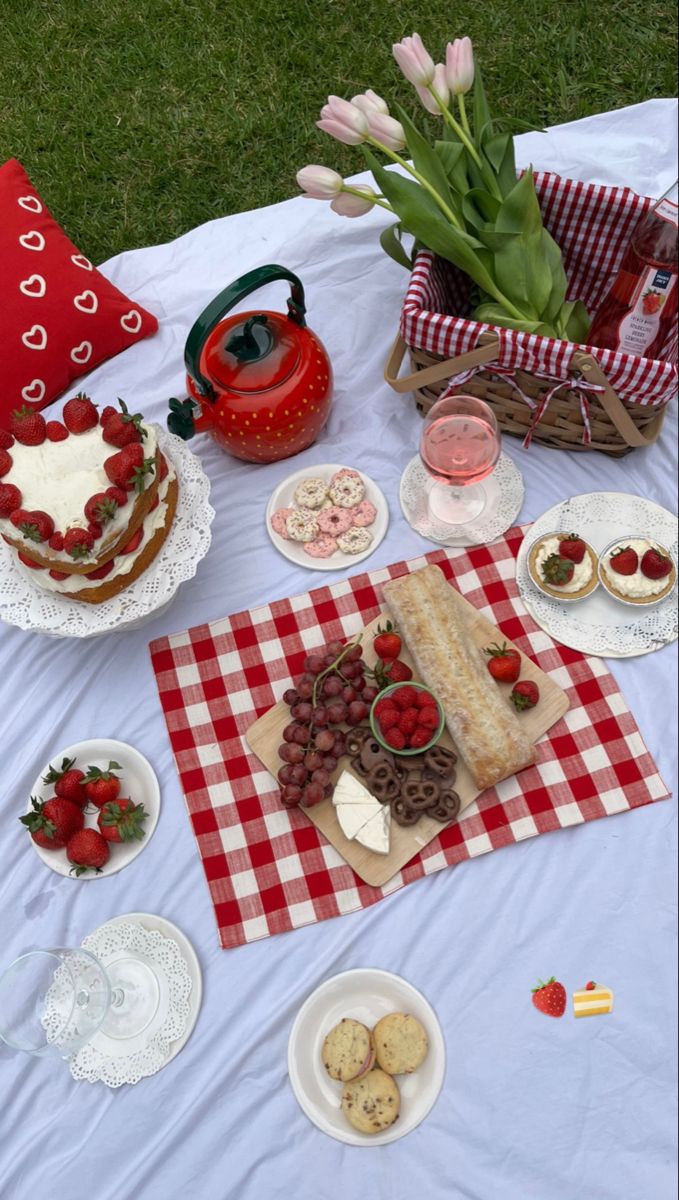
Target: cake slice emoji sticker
{"type": "Point", "coordinates": [592, 1001]}
{"type": "Point", "coordinates": [550, 998]}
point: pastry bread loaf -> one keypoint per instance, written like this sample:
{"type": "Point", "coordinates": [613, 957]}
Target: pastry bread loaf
{"type": "Point", "coordinates": [486, 732]}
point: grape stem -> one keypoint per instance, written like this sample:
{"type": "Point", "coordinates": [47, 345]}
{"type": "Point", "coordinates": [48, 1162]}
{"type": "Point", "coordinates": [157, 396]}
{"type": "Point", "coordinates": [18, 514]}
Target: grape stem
{"type": "Point", "coordinates": [334, 667]}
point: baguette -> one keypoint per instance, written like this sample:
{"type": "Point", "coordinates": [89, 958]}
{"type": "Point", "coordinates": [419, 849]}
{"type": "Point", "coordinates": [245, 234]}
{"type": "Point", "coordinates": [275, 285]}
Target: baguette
{"type": "Point", "coordinates": [486, 732]}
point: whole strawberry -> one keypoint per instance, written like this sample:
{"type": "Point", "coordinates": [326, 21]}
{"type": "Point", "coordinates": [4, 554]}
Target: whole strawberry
{"type": "Point", "coordinates": [557, 570]}
{"type": "Point", "coordinates": [78, 543]}
{"type": "Point", "coordinates": [624, 561]}
{"type": "Point", "coordinates": [121, 820]}
{"type": "Point", "coordinates": [56, 432]}
{"type": "Point", "coordinates": [118, 494]}
{"type": "Point", "coordinates": [80, 414]}
{"type": "Point", "coordinates": [57, 541]}
{"type": "Point", "coordinates": [35, 526]}
{"type": "Point", "coordinates": [6, 440]}
{"type": "Point", "coordinates": [524, 694]}
{"type": "Point", "coordinates": [504, 663]}
{"type": "Point", "coordinates": [128, 468]}
{"type": "Point", "coordinates": [52, 823]}
{"type": "Point", "coordinates": [387, 643]}
{"type": "Point", "coordinates": [655, 565]}
{"type": "Point", "coordinates": [572, 547]}
{"type": "Point", "coordinates": [68, 781]}
{"type": "Point", "coordinates": [550, 998]}
{"type": "Point", "coordinates": [102, 786]}
{"type": "Point", "coordinates": [123, 427]}
{"type": "Point", "coordinates": [88, 851]}
{"type": "Point", "coordinates": [10, 499]}
{"type": "Point", "coordinates": [28, 426]}
{"type": "Point", "coordinates": [101, 508]}
{"type": "Point", "coordinates": [5, 463]}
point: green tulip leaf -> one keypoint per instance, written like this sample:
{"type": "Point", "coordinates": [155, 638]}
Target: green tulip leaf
{"type": "Point", "coordinates": [425, 159]}
{"type": "Point", "coordinates": [453, 160]}
{"type": "Point", "coordinates": [520, 211]}
{"type": "Point", "coordinates": [479, 208]}
{"type": "Point", "coordinates": [578, 323]}
{"type": "Point", "coordinates": [498, 148]}
{"type": "Point", "coordinates": [494, 314]}
{"type": "Point", "coordinates": [390, 241]}
{"type": "Point", "coordinates": [522, 274]}
{"type": "Point", "coordinates": [482, 117]}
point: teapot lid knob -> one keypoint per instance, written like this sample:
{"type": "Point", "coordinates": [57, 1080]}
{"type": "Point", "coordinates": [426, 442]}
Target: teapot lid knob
{"type": "Point", "coordinates": [253, 341]}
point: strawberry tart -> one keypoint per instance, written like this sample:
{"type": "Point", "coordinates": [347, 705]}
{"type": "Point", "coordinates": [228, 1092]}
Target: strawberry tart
{"type": "Point", "coordinates": [86, 502]}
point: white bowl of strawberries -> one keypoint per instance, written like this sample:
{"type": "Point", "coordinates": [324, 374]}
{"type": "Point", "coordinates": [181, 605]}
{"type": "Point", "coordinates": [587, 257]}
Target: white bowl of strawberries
{"type": "Point", "coordinates": [93, 808]}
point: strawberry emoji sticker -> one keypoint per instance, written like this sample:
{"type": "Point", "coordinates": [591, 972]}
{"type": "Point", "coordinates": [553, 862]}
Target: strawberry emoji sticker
{"type": "Point", "coordinates": [550, 998]}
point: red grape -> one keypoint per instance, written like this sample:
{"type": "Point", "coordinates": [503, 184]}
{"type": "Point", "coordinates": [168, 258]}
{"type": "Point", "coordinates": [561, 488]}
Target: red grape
{"type": "Point", "coordinates": [329, 763]}
{"type": "Point", "coordinates": [301, 735]}
{"type": "Point", "coordinates": [291, 795]}
{"type": "Point", "coordinates": [325, 740]}
{"type": "Point", "coordinates": [302, 711]}
{"type": "Point", "coordinates": [285, 774]}
{"type": "Point", "coordinates": [337, 712]}
{"type": "Point", "coordinates": [358, 712]}
{"type": "Point", "coordinates": [312, 794]}
{"type": "Point", "coordinates": [339, 746]}
{"type": "Point", "coordinates": [295, 753]}
{"type": "Point", "coordinates": [350, 669]}
{"type": "Point", "coordinates": [305, 689]}
{"type": "Point", "coordinates": [289, 732]}
{"type": "Point", "coordinates": [369, 694]}
{"type": "Point", "coordinates": [298, 775]}
{"type": "Point", "coordinates": [349, 693]}
{"type": "Point", "coordinates": [353, 654]}
{"type": "Point", "coordinates": [313, 760]}
{"type": "Point", "coordinates": [321, 776]}
{"type": "Point", "coordinates": [284, 751]}
{"type": "Point", "coordinates": [314, 664]}
{"type": "Point", "coordinates": [290, 697]}
{"type": "Point", "coordinates": [332, 686]}
{"type": "Point", "coordinates": [334, 648]}
{"type": "Point", "coordinates": [319, 716]}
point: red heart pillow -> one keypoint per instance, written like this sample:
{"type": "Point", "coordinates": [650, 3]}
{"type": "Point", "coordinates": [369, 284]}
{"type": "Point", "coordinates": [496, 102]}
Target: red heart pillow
{"type": "Point", "coordinates": [58, 316]}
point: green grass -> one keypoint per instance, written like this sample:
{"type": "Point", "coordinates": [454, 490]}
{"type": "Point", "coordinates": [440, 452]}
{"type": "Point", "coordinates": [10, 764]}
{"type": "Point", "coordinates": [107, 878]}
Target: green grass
{"type": "Point", "coordinates": [139, 119]}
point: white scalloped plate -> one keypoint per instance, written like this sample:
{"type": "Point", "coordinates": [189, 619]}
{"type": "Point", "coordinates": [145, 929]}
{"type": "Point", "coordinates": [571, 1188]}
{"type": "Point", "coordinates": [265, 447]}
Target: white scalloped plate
{"type": "Point", "coordinates": [366, 994]}
{"type": "Point", "coordinates": [282, 497]}
{"type": "Point", "coordinates": [25, 604]}
{"type": "Point", "coordinates": [599, 624]}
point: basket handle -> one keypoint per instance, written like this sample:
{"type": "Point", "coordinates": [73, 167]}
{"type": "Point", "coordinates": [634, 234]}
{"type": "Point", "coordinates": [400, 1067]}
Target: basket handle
{"type": "Point", "coordinates": [485, 352]}
{"type": "Point", "coordinates": [613, 405]}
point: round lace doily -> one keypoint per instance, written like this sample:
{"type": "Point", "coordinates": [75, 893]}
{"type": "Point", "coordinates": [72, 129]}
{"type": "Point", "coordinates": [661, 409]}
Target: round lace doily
{"type": "Point", "coordinates": [118, 1060]}
{"type": "Point", "coordinates": [25, 604]}
{"type": "Point", "coordinates": [599, 625]}
{"type": "Point", "coordinates": [504, 489]}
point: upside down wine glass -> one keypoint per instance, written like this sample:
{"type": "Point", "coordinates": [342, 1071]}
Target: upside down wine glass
{"type": "Point", "coordinates": [52, 1002]}
{"type": "Point", "coordinates": [459, 447]}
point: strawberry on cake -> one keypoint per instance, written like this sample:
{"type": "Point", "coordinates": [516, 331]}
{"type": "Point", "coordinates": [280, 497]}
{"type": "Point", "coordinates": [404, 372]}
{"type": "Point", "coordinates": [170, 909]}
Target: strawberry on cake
{"type": "Point", "coordinates": [86, 502]}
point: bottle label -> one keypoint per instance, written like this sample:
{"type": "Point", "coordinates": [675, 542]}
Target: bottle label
{"type": "Point", "coordinates": [639, 326]}
{"type": "Point", "coordinates": [668, 211]}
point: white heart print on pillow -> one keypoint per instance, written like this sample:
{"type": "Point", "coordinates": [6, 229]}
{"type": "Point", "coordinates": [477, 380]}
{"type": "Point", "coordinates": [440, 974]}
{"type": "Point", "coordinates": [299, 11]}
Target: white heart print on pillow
{"type": "Point", "coordinates": [131, 322]}
{"type": "Point", "coordinates": [35, 338]}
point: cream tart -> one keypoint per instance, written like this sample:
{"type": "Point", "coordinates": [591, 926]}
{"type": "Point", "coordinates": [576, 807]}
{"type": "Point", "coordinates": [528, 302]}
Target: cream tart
{"type": "Point", "coordinates": [547, 565]}
{"type": "Point", "coordinates": [640, 583]}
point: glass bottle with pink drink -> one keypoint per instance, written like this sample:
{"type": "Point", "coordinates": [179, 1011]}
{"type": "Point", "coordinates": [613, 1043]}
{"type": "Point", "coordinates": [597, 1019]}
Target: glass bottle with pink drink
{"type": "Point", "coordinates": [640, 307]}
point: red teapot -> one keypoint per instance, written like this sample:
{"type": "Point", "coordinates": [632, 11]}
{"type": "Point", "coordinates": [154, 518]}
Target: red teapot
{"type": "Point", "coordinates": [259, 382]}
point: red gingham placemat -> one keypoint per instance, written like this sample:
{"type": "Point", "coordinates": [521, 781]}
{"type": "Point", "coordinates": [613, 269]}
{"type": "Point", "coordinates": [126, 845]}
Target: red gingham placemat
{"type": "Point", "coordinates": [268, 868]}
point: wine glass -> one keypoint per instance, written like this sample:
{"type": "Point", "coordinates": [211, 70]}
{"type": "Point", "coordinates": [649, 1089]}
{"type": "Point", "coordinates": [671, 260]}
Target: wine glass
{"type": "Point", "coordinates": [52, 1002]}
{"type": "Point", "coordinates": [459, 447]}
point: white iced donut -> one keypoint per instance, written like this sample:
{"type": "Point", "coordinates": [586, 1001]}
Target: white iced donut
{"type": "Point", "coordinates": [311, 493]}
{"type": "Point", "coordinates": [346, 488]}
{"type": "Point", "coordinates": [355, 540]}
{"type": "Point", "coordinates": [302, 525]}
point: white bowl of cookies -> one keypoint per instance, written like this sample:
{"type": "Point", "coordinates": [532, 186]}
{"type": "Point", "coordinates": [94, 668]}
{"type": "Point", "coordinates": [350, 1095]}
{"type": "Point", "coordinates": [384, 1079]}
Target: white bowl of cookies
{"type": "Point", "coordinates": [637, 571]}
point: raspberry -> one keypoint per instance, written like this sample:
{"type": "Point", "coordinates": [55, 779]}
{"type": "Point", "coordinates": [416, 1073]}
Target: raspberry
{"type": "Point", "coordinates": [419, 738]}
{"type": "Point", "coordinates": [424, 700]}
{"type": "Point", "coordinates": [429, 718]}
{"type": "Point", "coordinates": [395, 738]}
{"type": "Point", "coordinates": [404, 697]}
{"type": "Point", "coordinates": [389, 719]}
{"type": "Point", "coordinates": [408, 721]}
{"type": "Point", "coordinates": [382, 707]}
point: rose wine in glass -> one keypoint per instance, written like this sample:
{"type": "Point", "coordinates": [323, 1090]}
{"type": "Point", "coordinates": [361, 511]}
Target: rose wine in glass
{"type": "Point", "coordinates": [460, 446]}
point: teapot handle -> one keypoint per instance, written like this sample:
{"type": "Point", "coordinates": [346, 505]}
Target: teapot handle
{"type": "Point", "coordinates": [226, 300]}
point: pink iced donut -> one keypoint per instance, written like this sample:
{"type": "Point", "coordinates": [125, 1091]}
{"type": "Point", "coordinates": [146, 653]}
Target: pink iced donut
{"type": "Point", "coordinates": [278, 520]}
{"type": "Point", "coordinates": [321, 547]}
{"type": "Point", "coordinates": [363, 514]}
{"type": "Point", "coordinates": [334, 520]}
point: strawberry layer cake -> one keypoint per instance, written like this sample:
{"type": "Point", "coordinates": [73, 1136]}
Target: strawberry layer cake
{"type": "Point", "coordinates": [85, 502]}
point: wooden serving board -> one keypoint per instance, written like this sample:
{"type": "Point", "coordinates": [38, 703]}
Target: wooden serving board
{"type": "Point", "coordinates": [265, 736]}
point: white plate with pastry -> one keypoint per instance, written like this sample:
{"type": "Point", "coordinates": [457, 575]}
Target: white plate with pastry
{"type": "Point", "coordinates": [367, 995]}
{"type": "Point", "coordinates": [600, 624]}
{"type": "Point", "coordinates": [327, 517]}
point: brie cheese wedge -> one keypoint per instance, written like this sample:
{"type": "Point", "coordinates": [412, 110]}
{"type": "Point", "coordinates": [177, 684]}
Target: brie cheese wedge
{"type": "Point", "coordinates": [360, 815]}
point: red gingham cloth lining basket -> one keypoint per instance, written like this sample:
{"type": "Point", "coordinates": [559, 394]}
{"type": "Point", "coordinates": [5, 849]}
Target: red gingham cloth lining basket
{"type": "Point", "coordinates": [592, 225]}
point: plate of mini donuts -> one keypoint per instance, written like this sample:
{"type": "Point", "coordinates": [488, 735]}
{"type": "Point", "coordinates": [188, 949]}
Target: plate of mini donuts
{"type": "Point", "coordinates": [366, 1057]}
{"type": "Point", "coordinates": [327, 517]}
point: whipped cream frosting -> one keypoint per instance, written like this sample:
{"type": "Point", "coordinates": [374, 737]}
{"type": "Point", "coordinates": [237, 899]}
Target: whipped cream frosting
{"type": "Point", "coordinates": [581, 575]}
{"type": "Point", "coordinates": [60, 477]}
{"type": "Point", "coordinates": [122, 564]}
{"type": "Point", "coordinates": [637, 586]}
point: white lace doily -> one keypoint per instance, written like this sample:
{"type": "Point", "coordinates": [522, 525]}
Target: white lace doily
{"type": "Point", "coordinates": [120, 1060]}
{"type": "Point", "coordinates": [599, 624]}
{"type": "Point", "coordinates": [504, 490]}
{"type": "Point", "coordinates": [25, 604]}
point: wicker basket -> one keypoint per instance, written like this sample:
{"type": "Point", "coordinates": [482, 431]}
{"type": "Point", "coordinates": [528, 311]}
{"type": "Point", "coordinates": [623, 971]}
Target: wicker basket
{"type": "Point", "coordinates": [615, 427]}
{"type": "Point", "coordinates": [553, 392]}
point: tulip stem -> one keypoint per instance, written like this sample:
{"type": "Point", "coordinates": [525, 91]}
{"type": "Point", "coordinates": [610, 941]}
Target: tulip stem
{"type": "Point", "coordinates": [374, 199]}
{"type": "Point", "coordinates": [463, 115]}
{"type": "Point", "coordinates": [465, 138]}
{"type": "Point", "coordinates": [448, 212]}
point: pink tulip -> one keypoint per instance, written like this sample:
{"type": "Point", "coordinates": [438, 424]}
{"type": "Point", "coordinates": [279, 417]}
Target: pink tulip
{"type": "Point", "coordinates": [459, 65]}
{"type": "Point", "coordinates": [347, 205]}
{"type": "Point", "coordinates": [440, 86]}
{"type": "Point", "coordinates": [412, 58]}
{"type": "Point", "coordinates": [319, 183]}
{"type": "Point", "coordinates": [343, 121]}
{"type": "Point", "coordinates": [370, 102]}
{"type": "Point", "coordinates": [386, 131]}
